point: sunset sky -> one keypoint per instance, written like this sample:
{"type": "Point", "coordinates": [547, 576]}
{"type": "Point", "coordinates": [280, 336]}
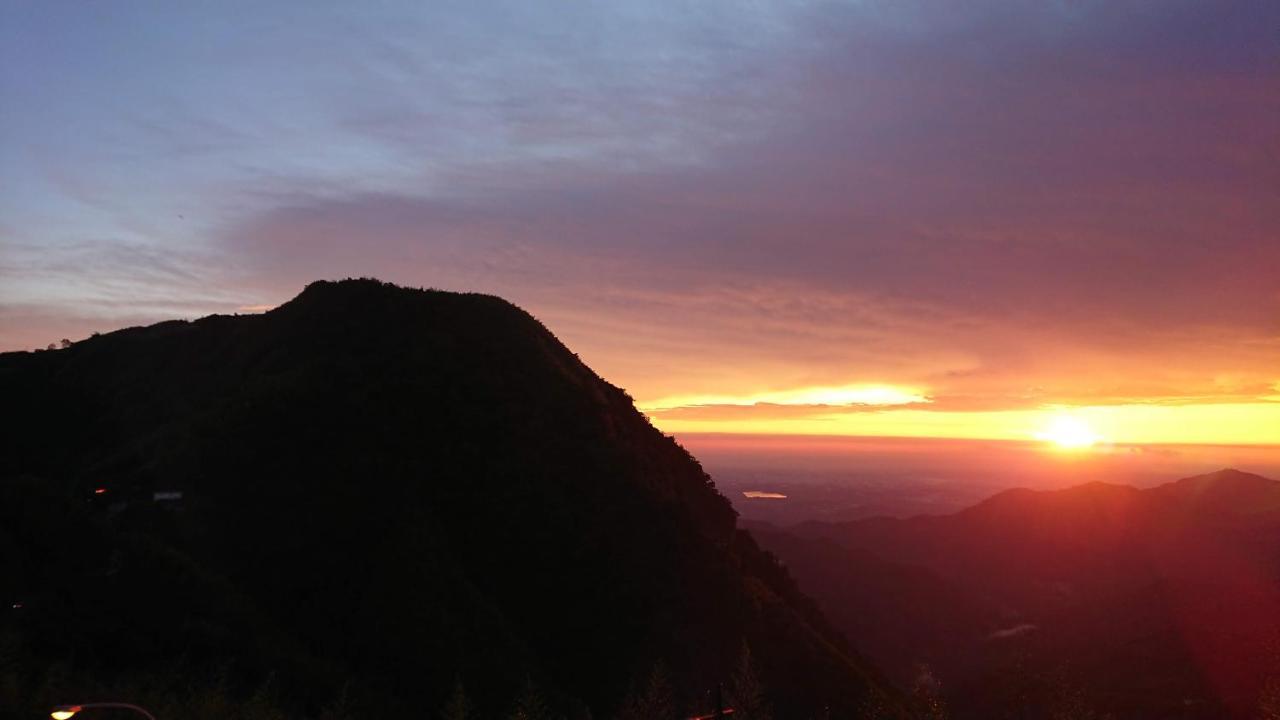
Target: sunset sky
{"type": "Point", "coordinates": [956, 219]}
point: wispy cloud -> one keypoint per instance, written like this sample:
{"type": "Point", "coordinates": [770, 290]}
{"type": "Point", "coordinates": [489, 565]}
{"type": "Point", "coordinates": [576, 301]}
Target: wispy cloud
{"type": "Point", "coordinates": [995, 206]}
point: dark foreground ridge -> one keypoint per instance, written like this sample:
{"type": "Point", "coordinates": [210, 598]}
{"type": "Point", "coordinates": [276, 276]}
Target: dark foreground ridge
{"type": "Point", "coordinates": [350, 505]}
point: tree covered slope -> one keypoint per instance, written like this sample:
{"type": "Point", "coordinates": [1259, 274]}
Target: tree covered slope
{"type": "Point", "coordinates": [385, 492]}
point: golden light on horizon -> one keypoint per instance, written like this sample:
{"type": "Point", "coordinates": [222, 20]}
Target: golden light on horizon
{"type": "Point", "coordinates": [1133, 423]}
{"type": "Point", "coordinates": [1069, 433]}
{"type": "Point", "coordinates": [864, 394]}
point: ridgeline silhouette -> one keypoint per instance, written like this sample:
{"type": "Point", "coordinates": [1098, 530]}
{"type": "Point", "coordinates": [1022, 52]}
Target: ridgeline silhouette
{"type": "Point", "coordinates": [1099, 598]}
{"type": "Point", "coordinates": [361, 503]}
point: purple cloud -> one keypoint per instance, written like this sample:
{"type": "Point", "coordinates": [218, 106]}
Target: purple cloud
{"type": "Point", "coordinates": [1001, 202]}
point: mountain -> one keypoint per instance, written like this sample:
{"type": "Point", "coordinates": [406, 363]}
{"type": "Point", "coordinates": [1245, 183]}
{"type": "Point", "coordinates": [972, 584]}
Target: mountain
{"type": "Point", "coordinates": [1229, 493]}
{"type": "Point", "coordinates": [362, 500]}
{"type": "Point", "coordinates": [1162, 602]}
{"type": "Point", "coordinates": [902, 614]}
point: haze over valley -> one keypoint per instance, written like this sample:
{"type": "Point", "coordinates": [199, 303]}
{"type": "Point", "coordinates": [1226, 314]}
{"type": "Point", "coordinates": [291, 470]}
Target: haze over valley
{"type": "Point", "coordinates": [842, 478]}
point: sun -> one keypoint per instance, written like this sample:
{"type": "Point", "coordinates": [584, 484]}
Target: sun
{"type": "Point", "coordinates": [1069, 433]}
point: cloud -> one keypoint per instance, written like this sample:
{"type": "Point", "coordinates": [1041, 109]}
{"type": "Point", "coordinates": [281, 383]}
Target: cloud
{"type": "Point", "coordinates": [1003, 206]}
{"type": "Point", "coordinates": [763, 495]}
{"type": "Point", "coordinates": [966, 191]}
{"type": "Point", "coordinates": [1014, 631]}
{"type": "Point", "coordinates": [764, 411]}
{"type": "Point", "coordinates": [855, 394]}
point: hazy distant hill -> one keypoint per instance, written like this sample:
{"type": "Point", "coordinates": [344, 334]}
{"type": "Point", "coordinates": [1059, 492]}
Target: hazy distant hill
{"type": "Point", "coordinates": [383, 491]}
{"type": "Point", "coordinates": [1147, 603]}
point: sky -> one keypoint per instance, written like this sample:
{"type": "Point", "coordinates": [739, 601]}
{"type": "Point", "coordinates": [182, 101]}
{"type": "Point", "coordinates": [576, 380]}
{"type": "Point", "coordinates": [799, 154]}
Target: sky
{"type": "Point", "coordinates": [979, 219]}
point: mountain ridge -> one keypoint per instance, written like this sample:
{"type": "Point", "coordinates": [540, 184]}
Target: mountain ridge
{"type": "Point", "coordinates": [1164, 601]}
{"type": "Point", "coordinates": [400, 487]}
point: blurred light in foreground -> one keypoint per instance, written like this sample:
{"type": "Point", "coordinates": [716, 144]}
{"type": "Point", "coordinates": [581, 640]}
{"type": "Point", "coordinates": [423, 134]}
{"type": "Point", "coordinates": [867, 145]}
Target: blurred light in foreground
{"type": "Point", "coordinates": [65, 712]}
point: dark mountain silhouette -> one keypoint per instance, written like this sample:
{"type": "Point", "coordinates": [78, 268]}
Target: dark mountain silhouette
{"type": "Point", "coordinates": [1162, 602]}
{"type": "Point", "coordinates": [386, 494]}
{"type": "Point", "coordinates": [1227, 492]}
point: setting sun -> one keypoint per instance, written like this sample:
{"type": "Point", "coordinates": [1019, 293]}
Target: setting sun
{"type": "Point", "coordinates": [1069, 432]}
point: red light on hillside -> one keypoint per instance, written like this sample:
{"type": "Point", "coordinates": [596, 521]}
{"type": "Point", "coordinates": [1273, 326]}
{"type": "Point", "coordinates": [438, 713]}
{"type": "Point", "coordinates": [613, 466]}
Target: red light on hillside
{"type": "Point", "coordinates": [99, 491]}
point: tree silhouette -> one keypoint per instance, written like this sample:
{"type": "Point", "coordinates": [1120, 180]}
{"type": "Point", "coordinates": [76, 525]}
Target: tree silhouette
{"type": "Point", "coordinates": [459, 705]}
{"type": "Point", "coordinates": [262, 704]}
{"type": "Point", "coordinates": [340, 708]}
{"type": "Point", "coordinates": [655, 702]}
{"type": "Point", "coordinates": [873, 707]}
{"type": "Point", "coordinates": [1269, 700]}
{"type": "Point", "coordinates": [1269, 696]}
{"type": "Point", "coordinates": [1067, 699]}
{"type": "Point", "coordinates": [926, 692]}
{"type": "Point", "coordinates": [746, 696]}
{"type": "Point", "coordinates": [530, 704]}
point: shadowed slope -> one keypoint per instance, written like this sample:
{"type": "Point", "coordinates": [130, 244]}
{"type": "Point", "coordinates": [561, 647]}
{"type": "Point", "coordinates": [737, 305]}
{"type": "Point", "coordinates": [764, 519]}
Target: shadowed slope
{"type": "Point", "coordinates": [1161, 602]}
{"type": "Point", "coordinates": [392, 488]}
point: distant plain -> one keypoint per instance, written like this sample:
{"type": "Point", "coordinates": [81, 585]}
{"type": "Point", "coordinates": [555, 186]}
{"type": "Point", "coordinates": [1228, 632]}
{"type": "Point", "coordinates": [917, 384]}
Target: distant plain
{"type": "Point", "coordinates": [845, 478]}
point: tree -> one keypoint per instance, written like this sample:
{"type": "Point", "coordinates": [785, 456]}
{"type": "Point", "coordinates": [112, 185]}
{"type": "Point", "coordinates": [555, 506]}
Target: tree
{"type": "Point", "coordinates": [262, 704]}
{"type": "Point", "coordinates": [655, 702]}
{"type": "Point", "coordinates": [530, 705]}
{"type": "Point", "coordinates": [746, 696]}
{"type": "Point", "coordinates": [210, 699]}
{"type": "Point", "coordinates": [1269, 697]}
{"type": "Point", "coordinates": [873, 707]}
{"type": "Point", "coordinates": [926, 694]}
{"type": "Point", "coordinates": [341, 707]}
{"type": "Point", "coordinates": [459, 706]}
{"type": "Point", "coordinates": [1269, 700]}
{"type": "Point", "coordinates": [1067, 699]}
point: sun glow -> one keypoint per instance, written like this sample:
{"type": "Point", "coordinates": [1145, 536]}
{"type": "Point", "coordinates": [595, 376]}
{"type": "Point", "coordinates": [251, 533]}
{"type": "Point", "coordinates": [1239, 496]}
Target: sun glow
{"type": "Point", "coordinates": [1069, 433]}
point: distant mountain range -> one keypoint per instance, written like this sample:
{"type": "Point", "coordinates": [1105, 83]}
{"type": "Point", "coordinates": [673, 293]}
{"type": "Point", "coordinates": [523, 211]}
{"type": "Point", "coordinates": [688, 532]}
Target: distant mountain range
{"type": "Point", "coordinates": [377, 502]}
{"type": "Point", "coordinates": [1100, 598]}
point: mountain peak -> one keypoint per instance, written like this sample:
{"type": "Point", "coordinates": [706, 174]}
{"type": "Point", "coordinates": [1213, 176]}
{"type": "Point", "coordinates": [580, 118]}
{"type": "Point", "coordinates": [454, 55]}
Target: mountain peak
{"type": "Point", "coordinates": [1224, 479]}
{"type": "Point", "coordinates": [454, 490]}
{"type": "Point", "coordinates": [1230, 475]}
{"type": "Point", "coordinates": [372, 295]}
{"type": "Point", "coordinates": [1226, 490]}
{"type": "Point", "coordinates": [1019, 500]}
